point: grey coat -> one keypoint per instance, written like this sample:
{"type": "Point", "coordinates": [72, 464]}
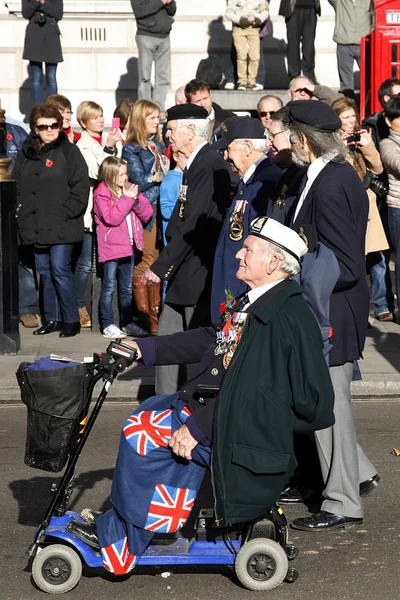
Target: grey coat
{"type": "Point", "coordinates": [42, 42]}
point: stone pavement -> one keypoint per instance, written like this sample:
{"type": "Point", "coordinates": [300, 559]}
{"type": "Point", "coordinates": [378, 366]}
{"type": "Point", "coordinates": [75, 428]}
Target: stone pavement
{"type": "Point", "coordinates": [380, 367]}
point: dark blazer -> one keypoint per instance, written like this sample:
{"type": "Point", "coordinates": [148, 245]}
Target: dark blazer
{"type": "Point", "coordinates": [283, 200]}
{"type": "Point", "coordinates": [42, 42]}
{"type": "Point", "coordinates": [187, 260]}
{"type": "Point", "coordinates": [221, 114]}
{"type": "Point", "coordinates": [335, 213]}
{"type": "Point", "coordinates": [255, 192]}
{"type": "Point", "coordinates": [287, 7]}
{"type": "Point", "coordinates": [52, 192]}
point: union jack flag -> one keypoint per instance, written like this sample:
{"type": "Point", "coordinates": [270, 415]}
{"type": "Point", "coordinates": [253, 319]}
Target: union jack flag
{"type": "Point", "coordinates": [148, 430]}
{"type": "Point", "coordinates": [117, 559]}
{"type": "Point", "coordinates": [169, 508]}
{"type": "Point", "coordinates": [185, 413]}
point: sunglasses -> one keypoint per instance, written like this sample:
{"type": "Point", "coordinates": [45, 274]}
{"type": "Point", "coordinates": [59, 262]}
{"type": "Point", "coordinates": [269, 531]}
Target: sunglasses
{"type": "Point", "coordinates": [268, 112]}
{"type": "Point", "coordinates": [47, 127]}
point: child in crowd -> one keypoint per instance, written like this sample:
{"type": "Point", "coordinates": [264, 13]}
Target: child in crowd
{"type": "Point", "coordinates": [119, 212]}
{"type": "Point", "coordinates": [64, 106]}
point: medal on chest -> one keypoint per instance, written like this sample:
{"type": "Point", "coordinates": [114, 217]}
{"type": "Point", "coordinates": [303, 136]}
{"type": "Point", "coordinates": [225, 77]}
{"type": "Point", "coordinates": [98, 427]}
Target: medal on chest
{"type": "Point", "coordinates": [236, 227]}
{"type": "Point", "coordinates": [182, 199]}
{"type": "Point", "coordinates": [228, 339]}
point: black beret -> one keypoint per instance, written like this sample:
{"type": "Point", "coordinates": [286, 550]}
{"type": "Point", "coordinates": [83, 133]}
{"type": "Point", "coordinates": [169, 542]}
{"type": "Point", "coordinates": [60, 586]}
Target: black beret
{"type": "Point", "coordinates": [186, 111]}
{"type": "Point", "coordinates": [314, 113]}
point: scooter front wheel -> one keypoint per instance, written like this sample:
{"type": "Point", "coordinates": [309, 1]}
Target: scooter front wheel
{"type": "Point", "coordinates": [56, 569]}
{"type": "Point", "coordinates": [261, 565]}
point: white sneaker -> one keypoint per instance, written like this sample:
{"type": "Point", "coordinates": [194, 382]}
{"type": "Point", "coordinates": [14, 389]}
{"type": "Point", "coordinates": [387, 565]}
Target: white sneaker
{"type": "Point", "coordinates": [256, 87]}
{"type": "Point", "coordinates": [241, 87]}
{"type": "Point", "coordinates": [229, 86]}
{"type": "Point", "coordinates": [112, 332]}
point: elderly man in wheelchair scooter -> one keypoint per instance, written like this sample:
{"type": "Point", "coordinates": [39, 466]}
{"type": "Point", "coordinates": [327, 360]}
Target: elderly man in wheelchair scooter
{"type": "Point", "coordinates": [260, 376]}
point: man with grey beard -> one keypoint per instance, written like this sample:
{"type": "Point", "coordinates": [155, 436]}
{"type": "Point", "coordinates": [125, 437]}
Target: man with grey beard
{"type": "Point", "coordinates": [333, 209]}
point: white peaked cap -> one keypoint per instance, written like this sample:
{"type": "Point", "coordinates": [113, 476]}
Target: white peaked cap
{"type": "Point", "coordinates": [283, 237]}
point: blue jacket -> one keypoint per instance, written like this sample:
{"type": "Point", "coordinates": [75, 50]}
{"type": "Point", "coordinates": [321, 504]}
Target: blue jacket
{"type": "Point", "coordinates": [169, 194]}
{"type": "Point", "coordinates": [17, 132]}
{"type": "Point", "coordinates": [140, 163]}
{"type": "Point", "coordinates": [256, 191]}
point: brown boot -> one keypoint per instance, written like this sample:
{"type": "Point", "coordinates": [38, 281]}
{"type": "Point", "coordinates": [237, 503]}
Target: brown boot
{"type": "Point", "coordinates": [154, 306]}
{"type": "Point", "coordinates": [140, 294]}
{"type": "Point", "coordinates": [84, 318]}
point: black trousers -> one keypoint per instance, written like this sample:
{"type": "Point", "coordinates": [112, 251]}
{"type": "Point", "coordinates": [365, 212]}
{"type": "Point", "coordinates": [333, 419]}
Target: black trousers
{"type": "Point", "coordinates": [300, 28]}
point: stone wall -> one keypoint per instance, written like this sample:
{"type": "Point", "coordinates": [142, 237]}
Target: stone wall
{"type": "Point", "coordinates": [100, 55]}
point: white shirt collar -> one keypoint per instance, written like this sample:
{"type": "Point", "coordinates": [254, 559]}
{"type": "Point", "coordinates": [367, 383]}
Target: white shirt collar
{"type": "Point", "coordinates": [313, 171]}
{"type": "Point", "coordinates": [255, 293]}
{"type": "Point", "coordinates": [194, 154]}
{"type": "Point", "coordinates": [211, 116]}
{"type": "Point", "coordinates": [252, 168]}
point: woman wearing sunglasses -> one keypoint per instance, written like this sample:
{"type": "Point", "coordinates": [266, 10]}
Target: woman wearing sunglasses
{"type": "Point", "coordinates": [52, 194]}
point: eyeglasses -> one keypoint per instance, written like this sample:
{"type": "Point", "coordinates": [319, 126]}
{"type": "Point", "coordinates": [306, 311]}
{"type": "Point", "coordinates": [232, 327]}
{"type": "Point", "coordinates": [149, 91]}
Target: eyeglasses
{"type": "Point", "coordinates": [47, 127]}
{"type": "Point", "coordinates": [272, 136]}
{"type": "Point", "coordinates": [267, 112]}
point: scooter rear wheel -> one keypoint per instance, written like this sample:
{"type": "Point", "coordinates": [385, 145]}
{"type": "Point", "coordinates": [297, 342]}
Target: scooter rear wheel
{"type": "Point", "coordinates": [261, 565]}
{"type": "Point", "coordinates": [56, 569]}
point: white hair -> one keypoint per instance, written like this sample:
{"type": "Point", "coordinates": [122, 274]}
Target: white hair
{"type": "Point", "coordinates": [180, 95]}
{"type": "Point", "coordinates": [201, 126]}
{"type": "Point", "coordinates": [259, 145]}
{"type": "Point", "coordinates": [289, 263]}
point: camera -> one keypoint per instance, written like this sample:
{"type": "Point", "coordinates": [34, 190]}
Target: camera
{"type": "Point", "coordinates": [353, 137]}
{"type": "Point", "coordinates": [40, 18]}
{"type": "Point", "coordinates": [372, 182]}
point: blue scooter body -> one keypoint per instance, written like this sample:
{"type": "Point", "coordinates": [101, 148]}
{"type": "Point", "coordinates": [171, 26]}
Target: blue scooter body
{"type": "Point", "coordinates": [181, 551]}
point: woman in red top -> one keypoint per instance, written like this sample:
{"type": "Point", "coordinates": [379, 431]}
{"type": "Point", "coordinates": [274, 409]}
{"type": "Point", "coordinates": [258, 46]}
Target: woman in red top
{"type": "Point", "coordinates": [62, 104]}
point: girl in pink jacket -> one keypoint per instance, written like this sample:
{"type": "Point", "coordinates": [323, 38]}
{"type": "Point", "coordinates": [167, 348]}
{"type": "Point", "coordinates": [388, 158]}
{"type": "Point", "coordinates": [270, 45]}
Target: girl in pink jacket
{"type": "Point", "coordinates": [119, 212]}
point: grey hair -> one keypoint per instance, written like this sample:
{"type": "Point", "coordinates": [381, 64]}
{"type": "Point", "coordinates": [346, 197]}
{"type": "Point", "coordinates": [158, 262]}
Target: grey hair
{"type": "Point", "coordinates": [289, 264]}
{"type": "Point", "coordinates": [329, 143]}
{"type": "Point", "coordinates": [201, 126]}
{"type": "Point", "coordinates": [259, 145]}
{"type": "Point", "coordinates": [291, 83]}
{"type": "Point", "coordinates": [180, 95]}
{"type": "Point", "coordinates": [279, 101]}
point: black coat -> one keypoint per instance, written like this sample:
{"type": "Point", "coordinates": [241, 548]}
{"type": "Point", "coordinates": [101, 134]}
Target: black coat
{"type": "Point", "coordinates": [287, 7]}
{"type": "Point", "coordinates": [42, 42]}
{"type": "Point", "coordinates": [335, 212]}
{"type": "Point", "coordinates": [187, 260]}
{"type": "Point", "coordinates": [283, 200]}
{"type": "Point", "coordinates": [52, 192]}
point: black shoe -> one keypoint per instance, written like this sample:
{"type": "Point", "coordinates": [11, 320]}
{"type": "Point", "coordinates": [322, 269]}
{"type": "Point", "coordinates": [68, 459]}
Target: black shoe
{"type": "Point", "coordinates": [294, 495]}
{"type": "Point", "coordinates": [368, 486]}
{"type": "Point", "coordinates": [49, 327]}
{"type": "Point", "coordinates": [84, 532]}
{"type": "Point", "coordinates": [70, 329]}
{"type": "Point", "coordinates": [325, 521]}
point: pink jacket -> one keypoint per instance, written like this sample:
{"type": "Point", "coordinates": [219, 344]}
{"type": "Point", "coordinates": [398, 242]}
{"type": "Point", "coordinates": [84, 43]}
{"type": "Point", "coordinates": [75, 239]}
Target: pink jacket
{"type": "Point", "coordinates": [112, 231]}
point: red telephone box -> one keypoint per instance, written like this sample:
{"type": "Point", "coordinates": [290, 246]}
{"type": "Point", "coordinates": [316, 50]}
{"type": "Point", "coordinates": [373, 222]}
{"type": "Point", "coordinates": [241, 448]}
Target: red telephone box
{"type": "Point", "coordinates": [380, 54]}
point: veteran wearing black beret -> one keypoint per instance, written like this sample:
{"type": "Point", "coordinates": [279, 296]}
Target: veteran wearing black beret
{"type": "Point", "coordinates": [333, 210]}
{"type": "Point", "coordinates": [186, 262]}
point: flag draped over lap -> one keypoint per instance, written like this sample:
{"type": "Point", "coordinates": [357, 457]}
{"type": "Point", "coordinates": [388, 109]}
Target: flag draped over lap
{"type": "Point", "coordinates": [153, 490]}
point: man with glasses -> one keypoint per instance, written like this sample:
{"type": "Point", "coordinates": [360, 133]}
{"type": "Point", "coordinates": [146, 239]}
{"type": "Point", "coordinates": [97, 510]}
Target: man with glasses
{"type": "Point", "coordinates": [62, 104]}
{"type": "Point", "coordinates": [284, 198]}
{"type": "Point", "coordinates": [266, 107]}
{"type": "Point", "coordinates": [244, 144]}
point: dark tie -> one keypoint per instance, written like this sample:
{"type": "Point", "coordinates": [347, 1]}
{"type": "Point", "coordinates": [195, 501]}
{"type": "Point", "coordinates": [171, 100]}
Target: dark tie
{"type": "Point", "coordinates": [241, 303]}
{"type": "Point", "coordinates": [302, 186]}
{"type": "Point", "coordinates": [184, 178]}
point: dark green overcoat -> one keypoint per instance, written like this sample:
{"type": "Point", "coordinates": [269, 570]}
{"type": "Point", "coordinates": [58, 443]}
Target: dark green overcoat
{"type": "Point", "coordinates": [277, 384]}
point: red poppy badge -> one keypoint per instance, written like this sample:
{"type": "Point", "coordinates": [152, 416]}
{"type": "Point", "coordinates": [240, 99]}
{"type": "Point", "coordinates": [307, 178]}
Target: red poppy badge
{"type": "Point", "coordinates": [9, 137]}
{"type": "Point", "coordinates": [49, 163]}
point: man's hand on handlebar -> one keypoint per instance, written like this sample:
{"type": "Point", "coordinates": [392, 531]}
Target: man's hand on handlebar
{"type": "Point", "coordinates": [182, 443]}
{"type": "Point", "coordinates": [133, 344]}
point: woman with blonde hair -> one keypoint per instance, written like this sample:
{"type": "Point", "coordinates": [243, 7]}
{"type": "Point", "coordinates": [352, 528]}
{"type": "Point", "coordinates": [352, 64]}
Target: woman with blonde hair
{"type": "Point", "coordinates": [366, 160]}
{"type": "Point", "coordinates": [95, 145]}
{"type": "Point", "coordinates": [143, 152]}
{"type": "Point", "coordinates": [119, 212]}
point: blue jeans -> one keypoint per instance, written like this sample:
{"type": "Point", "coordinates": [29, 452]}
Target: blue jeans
{"type": "Point", "coordinates": [394, 230]}
{"type": "Point", "coordinates": [83, 267]}
{"type": "Point", "coordinates": [381, 284]}
{"type": "Point", "coordinates": [120, 270]}
{"type": "Point", "coordinates": [37, 80]}
{"type": "Point", "coordinates": [59, 298]}
{"type": "Point", "coordinates": [27, 292]}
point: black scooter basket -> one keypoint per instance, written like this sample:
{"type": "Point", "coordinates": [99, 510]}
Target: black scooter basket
{"type": "Point", "coordinates": [57, 401]}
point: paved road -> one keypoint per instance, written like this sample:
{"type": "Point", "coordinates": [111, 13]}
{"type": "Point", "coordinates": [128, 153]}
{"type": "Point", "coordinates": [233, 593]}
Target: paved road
{"type": "Point", "coordinates": [359, 564]}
